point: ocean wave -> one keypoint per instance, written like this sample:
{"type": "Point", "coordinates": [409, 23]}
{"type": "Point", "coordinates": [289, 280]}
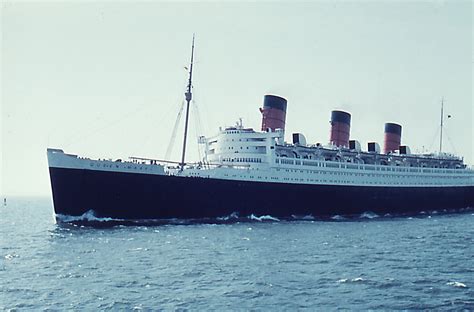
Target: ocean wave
{"type": "Point", "coordinates": [233, 215]}
{"type": "Point", "coordinates": [368, 215]}
{"type": "Point", "coordinates": [352, 280]}
{"type": "Point", "coordinates": [457, 284]}
{"type": "Point", "coordinates": [11, 256]}
{"type": "Point", "coordinates": [307, 217]}
{"type": "Point", "coordinates": [263, 218]}
{"type": "Point", "coordinates": [88, 216]}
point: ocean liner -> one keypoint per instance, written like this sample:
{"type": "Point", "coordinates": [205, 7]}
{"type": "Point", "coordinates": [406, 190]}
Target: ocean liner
{"type": "Point", "coordinates": [257, 174]}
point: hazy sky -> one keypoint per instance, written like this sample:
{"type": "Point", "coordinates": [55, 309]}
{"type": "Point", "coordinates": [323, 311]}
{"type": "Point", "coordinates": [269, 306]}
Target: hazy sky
{"type": "Point", "coordinates": [106, 79]}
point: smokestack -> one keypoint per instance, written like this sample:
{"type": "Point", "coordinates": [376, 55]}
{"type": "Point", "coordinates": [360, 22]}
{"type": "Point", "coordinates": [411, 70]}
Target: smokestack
{"type": "Point", "coordinates": [273, 112]}
{"type": "Point", "coordinates": [340, 128]}
{"type": "Point", "coordinates": [393, 137]}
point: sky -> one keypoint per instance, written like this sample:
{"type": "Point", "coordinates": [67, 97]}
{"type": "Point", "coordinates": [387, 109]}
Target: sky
{"type": "Point", "coordinates": [106, 79]}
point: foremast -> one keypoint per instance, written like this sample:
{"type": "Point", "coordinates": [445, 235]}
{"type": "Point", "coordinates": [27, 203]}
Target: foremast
{"type": "Point", "coordinates": [188, 95]}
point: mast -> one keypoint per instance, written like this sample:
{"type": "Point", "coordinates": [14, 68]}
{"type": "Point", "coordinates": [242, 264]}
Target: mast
{"type": "Point", "coordinates": [188, 95]}
{"type": "Point", "coordinates": [441, 127]}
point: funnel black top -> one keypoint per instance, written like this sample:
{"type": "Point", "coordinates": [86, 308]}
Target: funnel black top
{"type": "Point", "coordinates": [340, 116]}
{"type": "Point", "coordinates": [393, 128]}
{"type": "Point", "coordinates": [274, 101]}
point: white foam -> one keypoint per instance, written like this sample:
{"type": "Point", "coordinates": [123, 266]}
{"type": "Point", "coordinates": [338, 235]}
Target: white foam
{"type": "Point", "coordinates": [263, 218]}
{"type": "Point", "coordinates": [457, 284]}
{"type": "Point", "coordinates": [368, 215]}
{"type": "Point", "coordinates": [233, 215]}
{"type": "Point", "coordinates": [11, 256]}
{"type": "Point", "coordinates": [352, 280]}
{"type": "Point", "coordinates": [307, 217]}
{"type": "Point", "coordinates": [338, 217]}
{"type": "Point", "coordinates": [87, 216]}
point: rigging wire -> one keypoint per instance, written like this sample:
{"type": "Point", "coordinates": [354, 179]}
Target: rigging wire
{"type": "Point", "coordinates": [445, 133]}
{"type": "Point", "coordinates": [173, 134]}
{"type": "Point", "coordinates": [197, 127]}
{"type": "Point", "coordinates": [203, 118]}
{"type": "Point", "coordinates": [201, 121]}
{"type": "Point", "coordinates": [450, 142]}
{"type": "Point", "coordinates": [147, 139]}
{"type": "Point", "coordinates": [436, 135]}
{"type": "Point", "coordinates": [80, 137]}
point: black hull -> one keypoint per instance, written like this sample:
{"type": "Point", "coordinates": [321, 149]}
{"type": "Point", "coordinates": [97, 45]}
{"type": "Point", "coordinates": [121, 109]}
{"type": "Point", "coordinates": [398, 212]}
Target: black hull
{"type": "Point", "coordinates": [131, 196]}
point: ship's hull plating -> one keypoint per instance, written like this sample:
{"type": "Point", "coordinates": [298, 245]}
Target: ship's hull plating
{"type": "Point", "coordinates": [134, 196]}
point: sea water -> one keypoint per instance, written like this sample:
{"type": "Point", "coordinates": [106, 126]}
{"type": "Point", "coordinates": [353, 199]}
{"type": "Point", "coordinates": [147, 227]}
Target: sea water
{"type": "Point", "coordinates": [423, 262]}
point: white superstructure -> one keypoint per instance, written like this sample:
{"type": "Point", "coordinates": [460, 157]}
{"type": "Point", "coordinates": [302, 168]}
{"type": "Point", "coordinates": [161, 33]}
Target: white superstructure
{"type": "Point", "coordinates": [240, 153]}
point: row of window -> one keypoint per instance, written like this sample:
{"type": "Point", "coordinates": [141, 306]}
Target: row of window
{"type": "Point", "coordinates": [244, 140]}
{"type": "Point", "coordinates": [252, 160]}
{"type": "Point", "coordinates": [123, 166]}
{"type": "Point", "coordinates": [256, 147]}
{"type": "Point", "coordinates": [372, 175]}
{"type": "Point", "coordinates": [339, 181]}
{"type": "Point", "coordinates": [363, 167]}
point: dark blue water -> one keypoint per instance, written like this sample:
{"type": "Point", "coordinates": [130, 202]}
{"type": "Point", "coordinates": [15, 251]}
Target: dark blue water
{"type": "Point", "coordinates": [401, 263]}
